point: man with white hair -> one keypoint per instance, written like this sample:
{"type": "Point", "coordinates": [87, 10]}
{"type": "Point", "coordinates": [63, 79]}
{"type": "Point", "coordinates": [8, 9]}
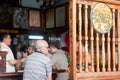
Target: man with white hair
{"type": "Point", "coordinates": [38, 65]}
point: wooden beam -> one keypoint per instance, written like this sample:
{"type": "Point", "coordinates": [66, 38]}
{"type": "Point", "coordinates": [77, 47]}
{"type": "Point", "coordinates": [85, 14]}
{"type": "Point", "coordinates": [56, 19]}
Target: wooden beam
{"type": "Point", "coordinates": [72, 31]}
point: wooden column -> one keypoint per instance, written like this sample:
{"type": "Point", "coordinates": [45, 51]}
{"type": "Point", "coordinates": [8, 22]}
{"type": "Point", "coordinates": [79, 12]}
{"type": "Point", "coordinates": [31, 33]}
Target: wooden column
{"type": "Point", "coordinates": [72, 31]}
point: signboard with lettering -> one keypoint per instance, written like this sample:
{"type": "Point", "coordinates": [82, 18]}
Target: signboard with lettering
{"type": "Point", "coordinates": [101, 17]}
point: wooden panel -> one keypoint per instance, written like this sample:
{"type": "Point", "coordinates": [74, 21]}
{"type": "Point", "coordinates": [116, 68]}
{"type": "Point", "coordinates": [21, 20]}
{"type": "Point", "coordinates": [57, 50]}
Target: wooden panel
{"type": "Point", "coordinates": [3, 61]}
{"type": "Point", "coordinates": [11, 76]}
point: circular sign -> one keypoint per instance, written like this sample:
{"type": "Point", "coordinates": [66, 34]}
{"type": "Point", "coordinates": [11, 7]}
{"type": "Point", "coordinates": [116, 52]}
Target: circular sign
{"type": "Point", "coordinates": [101, 17]}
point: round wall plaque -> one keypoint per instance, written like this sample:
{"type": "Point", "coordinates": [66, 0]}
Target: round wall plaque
{"type": "Point", "coordinates": [101, 17]}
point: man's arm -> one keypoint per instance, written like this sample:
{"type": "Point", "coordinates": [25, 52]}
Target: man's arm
{"type": "Point", "coordinates": [14, 62]}
{"type": "Point", "coordinates": [49, 77]}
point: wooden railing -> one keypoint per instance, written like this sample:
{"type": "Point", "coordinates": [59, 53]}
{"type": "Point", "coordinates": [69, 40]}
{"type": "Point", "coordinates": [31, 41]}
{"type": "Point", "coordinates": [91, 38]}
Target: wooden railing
{"type": "Point", "coordinates": [103, 49]}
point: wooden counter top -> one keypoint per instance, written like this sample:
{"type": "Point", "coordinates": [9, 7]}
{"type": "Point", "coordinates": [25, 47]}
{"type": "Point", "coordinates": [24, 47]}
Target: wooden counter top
{"type": "Point", "coordinates": [11, 76]}
{"type": "Point", "coordinates": [19, 75]}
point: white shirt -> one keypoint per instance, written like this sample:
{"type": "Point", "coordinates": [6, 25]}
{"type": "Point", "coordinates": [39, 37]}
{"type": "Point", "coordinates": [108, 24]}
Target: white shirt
{"type": "Point", "coordinates": [9, 56]}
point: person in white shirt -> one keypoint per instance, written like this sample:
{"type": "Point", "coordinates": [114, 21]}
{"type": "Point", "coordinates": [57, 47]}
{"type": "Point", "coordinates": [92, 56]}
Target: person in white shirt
{"type": "Point", "coordinates": [5, 39]}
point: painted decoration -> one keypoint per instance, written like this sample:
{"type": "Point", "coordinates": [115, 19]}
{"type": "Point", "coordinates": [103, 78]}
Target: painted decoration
{"type": "Point", "coordinates": [101, 17]}
{"type": "Point", "coordinates": [19, 18]}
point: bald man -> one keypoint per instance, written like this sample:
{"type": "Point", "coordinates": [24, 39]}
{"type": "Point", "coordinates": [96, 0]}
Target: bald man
{"type": "Point", "coordinates": [38, 65]}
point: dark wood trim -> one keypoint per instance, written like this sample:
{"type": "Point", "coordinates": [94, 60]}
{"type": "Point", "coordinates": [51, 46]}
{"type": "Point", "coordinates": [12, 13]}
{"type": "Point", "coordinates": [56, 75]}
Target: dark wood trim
{"type": "Point", "coordinates": [11, 76]}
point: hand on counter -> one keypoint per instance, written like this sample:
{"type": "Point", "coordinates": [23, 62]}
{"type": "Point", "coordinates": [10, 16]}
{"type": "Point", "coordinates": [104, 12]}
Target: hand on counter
{"type": "Point", "coordinates": [58, 70]}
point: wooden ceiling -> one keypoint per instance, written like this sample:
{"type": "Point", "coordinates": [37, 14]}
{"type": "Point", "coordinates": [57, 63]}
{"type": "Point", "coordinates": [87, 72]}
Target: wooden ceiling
{"type": "Point", "coordinates": [12, 2]}
{"type": "Point", "coordinates": [38, 3]}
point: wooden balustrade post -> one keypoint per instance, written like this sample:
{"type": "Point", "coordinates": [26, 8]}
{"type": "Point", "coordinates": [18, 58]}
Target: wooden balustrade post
{"type": "Point", "coordinates": [108, 52]}
{"type": "Point", "coordinates": [103, 53]}
{"type": "Point", "coordinates": [118, 28]}
{"type": "Point", "coordinates": [113, 42]}
{"type": "Point", "coordinates": [80, 36]}
{"type": "Point", "coordinates": [92, 44]}
{"type": "Point", "coordinates": [97, 53]}
{"type": "Point", "coordinates": [86, 37]}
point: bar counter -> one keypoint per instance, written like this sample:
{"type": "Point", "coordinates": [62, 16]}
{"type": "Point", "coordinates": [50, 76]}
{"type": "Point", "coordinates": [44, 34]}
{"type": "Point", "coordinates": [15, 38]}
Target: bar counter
{"type": "Point", "coordinates": [11, 76]}
{"type": "Point", "coordinates": [19, 75]}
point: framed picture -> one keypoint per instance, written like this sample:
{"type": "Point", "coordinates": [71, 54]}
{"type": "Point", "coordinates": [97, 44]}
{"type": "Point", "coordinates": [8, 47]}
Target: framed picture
{"type": "Point", "coordinates": [19, 18]}
{"type": "Point", "coordinates": [50, 18]}
{"type": "Point", "coordinates": [34, 18]}
{"type": "Point", "coordinates": [6, 16]}
{"type": "Point", "coordinates": [60, 16]}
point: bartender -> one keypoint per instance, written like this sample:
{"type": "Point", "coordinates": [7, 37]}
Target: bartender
{"type": "Point", "coordinates": [5, 39]}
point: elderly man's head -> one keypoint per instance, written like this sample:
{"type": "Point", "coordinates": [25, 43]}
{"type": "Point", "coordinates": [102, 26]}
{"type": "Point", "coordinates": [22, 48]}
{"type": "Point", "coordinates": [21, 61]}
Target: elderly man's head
{"type": "Point", "coordinates": [41, 46]}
